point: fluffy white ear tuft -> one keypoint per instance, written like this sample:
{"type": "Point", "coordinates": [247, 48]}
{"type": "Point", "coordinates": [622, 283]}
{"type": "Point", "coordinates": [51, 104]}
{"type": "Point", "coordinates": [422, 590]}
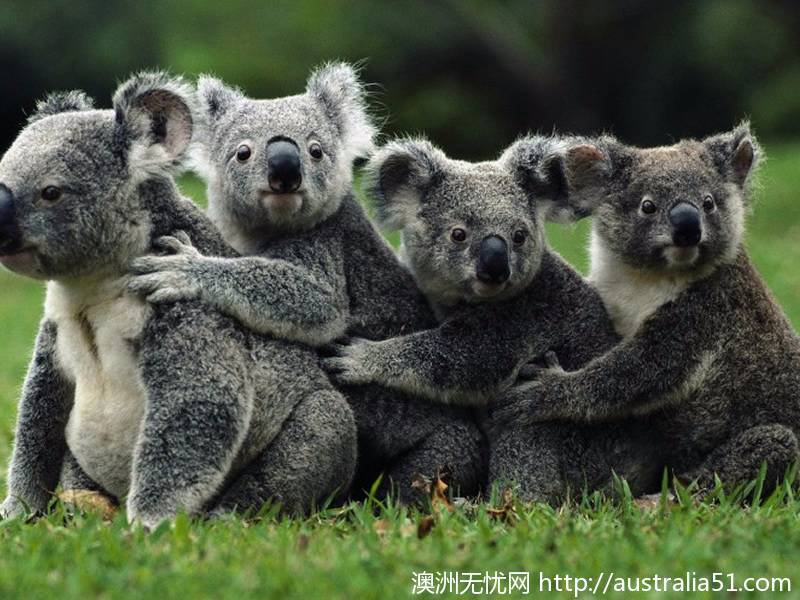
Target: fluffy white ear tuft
{"type": "Point", "coordinates": [157, 116]}
{"type": "Point", "coordinates": [216, 98]}
{"type": "Point", "coordinates": [398, 176]}
{"type": "Point", "coordinates": [736, 154]}
{"type": "Point", "coordinates": [59, 102]}
{"type": "Point", "coordinates": [343, 97]}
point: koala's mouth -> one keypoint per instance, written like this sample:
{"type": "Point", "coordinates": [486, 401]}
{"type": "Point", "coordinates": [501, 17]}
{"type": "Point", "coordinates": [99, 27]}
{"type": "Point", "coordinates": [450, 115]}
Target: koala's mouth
{"type": "Point", "coordinates": [483, 290]}
{"type": "Point", "coordinates": [20, 260]}
{"type": "Point", "coordinates": [284, 205]}
{"type": "Point", "coordinates": [682, 257]}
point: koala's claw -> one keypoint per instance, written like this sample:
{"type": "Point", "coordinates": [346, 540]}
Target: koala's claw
{"type": "Point", "coordinates": [344, 361]}
{"type": "Point", "coordinates": [533, 370]}
{"type": "Point", "coordinates": [179, 243]}
{"type": "Point", "coordinates": [163, 287]}
{"type": "Point", "coordinates": [11, 508]}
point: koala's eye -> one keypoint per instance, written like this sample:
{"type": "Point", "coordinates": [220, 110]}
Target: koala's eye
{"type": "Point", "coordinates": [648, 206]}
{"type": "Point", "coordinates": [458, 235]}
{"type": "Point", "coordinates": [315, 150]}
{"type": "Point", "coordinates": [243, 153]}
{"type": "Point", "coordinates": [708, 203]}
{"type": "Point", "coordinates": [519, 237]}
{"type": "Point", "coordinates": [51, 193]}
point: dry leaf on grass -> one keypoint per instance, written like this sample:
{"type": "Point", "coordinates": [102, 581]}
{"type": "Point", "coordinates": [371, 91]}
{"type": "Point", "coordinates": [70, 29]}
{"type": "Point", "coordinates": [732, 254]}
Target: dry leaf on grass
{"type": "Point", "coordinates": [653, 501]}
{"type": "Point", "coordinates": [381, 527]}
{"type": "Point", "coordinates": [506, 511]}
{"type": "Point", "coordinates": [425, 525]}
{"type": "Point", "coordinates": [89, 501]}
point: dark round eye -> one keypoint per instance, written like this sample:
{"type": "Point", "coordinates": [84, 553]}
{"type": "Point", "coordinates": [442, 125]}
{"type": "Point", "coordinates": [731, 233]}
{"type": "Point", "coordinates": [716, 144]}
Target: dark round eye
{"type": "Point", "coordinates": [519, 237]}
{"type": "Point", "coordinates": [708, 203]}
{"type": "Point", "coordinates": [315, 150]}
{"type": "Point", "coordinates": [458, 235]}
{"type": "Point", "coordinates": [243, 153]}
{"type": "Point", "coordinates": [648, 207]}
{"type": "Point", "coordinates": [51, 193]}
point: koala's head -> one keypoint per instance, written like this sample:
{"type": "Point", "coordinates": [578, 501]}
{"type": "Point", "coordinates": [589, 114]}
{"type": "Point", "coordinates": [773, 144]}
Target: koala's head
{"type": "Point", "coordinates": [677, 208]}
{"type": "Point", "coordinates": [471, 232]}
{"type": "Point", "coordinates": [283, 164]}
{"type": "Point", "coordinates": [69, 205]}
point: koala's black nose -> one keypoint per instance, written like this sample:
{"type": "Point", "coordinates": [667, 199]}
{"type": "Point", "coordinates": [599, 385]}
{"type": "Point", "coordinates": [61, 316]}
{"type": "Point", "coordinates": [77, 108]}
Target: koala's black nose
{"type": "Point", "coordinates": [685, 220]}
{"type": "Point", "coordinates": [9, 233]}
{"type": "Point", "coordinates": [283, 166]}
{"type": "Point", "coordinates": [493, 266]}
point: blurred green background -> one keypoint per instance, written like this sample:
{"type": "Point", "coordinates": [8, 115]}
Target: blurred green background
{"type": "Point", "coordinates": [471, 74]}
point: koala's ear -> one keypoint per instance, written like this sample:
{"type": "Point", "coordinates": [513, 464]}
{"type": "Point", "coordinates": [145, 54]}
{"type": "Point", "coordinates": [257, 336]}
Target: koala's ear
{"type": "Point", "coordinates": [216, 98]}
{"type": "Point", "coordinates": [59, 102]}
{"type": "Point", "coordinates": [156, 117]}
{"type": "Point", "coordinates": [398, 176]}
{"type": "Point", "coordinates": [736, 154]}
{"type": "Point", "coordinates": [564, 179]}
{"type": "Point", "coordinates": [342, 96]}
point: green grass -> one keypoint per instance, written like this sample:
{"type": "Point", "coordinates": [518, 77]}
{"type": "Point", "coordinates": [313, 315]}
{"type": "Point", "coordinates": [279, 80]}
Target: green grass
{"type": "Point", "coordinates": [371, 552]}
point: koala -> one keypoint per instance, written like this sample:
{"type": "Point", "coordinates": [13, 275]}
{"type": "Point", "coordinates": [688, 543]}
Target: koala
{"type": "Point", "coordinates": [313, 267]}
{"type": "Point", "coordinates": [473, 235]}
{"type": "Point", "coordinates": [707, 355]}
{"type": "Point", "coordinates": [174, 407]}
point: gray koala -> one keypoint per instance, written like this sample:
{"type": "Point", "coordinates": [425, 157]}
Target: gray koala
{"type": "Point", "coordinates": [473, 235]}
{"type": "Point", "coordinates": [279, 178]}
{"type": "Point", "coordinates": [176, 407]}
{"type": "Point", "coordinates": [708, 357]}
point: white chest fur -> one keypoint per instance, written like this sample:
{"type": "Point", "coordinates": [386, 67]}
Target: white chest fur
{"type": "Point", "coordinates": [630, 296]}
{"type": "Point", "coordinates": [98, 329]}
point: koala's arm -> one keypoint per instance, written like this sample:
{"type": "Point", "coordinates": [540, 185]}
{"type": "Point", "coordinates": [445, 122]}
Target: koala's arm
{"type": "Point", "coordinates": [198, 412]}
{"type": "Point", "coordinates": [298, 292]}
{"type": "Point", "coordinates": [39, 441]}
{"type": "Point", "coordinates": [665, 360]}
{"type": "Point", "coordinates": [467, 360]}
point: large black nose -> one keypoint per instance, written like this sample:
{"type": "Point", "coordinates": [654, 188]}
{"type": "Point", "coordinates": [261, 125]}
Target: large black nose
{"type": "Point", "coordinates": [493, 264]}
{"type": "Point", "coordinates": [283, 166]}
{"type": "Point", "coordinates": [9, 232]}
{"type": "Point", "coordinates": [686, 228]}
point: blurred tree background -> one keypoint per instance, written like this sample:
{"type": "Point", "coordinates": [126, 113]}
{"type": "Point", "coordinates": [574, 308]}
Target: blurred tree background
{"type": "Point", "coordinates": [470, 74]}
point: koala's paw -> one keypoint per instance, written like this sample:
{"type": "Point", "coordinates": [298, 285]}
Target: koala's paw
{"type": "Point", "coordinates": [11, 508]}
{"type": "Point", "coordinates": [539, 366]}
{"type": "Point", "coordinates": [347, 361]}
{"type": "Point", "coordinates": [147, 520]}
{"type": "Point", "coordinates": [528, 403]}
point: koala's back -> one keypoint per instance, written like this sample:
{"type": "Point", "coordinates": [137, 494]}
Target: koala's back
{"type": "Point", "coordinates": [384, 299]}
{"type": "Point", "coordinates": [750, 376]}
{"type": "Point", "coordinates": [562, 296]}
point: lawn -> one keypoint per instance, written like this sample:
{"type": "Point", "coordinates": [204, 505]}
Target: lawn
{"type": "Point", "coordinates": [372, 551]}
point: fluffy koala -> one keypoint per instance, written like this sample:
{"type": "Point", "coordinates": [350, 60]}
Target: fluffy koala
{"type": "Point", "coordinates": [708, 356]}
{"type": "Point", "coordinates": [473, 235]}
{"type": "Point", "coordinates": [279, 178]}
{"type": "Point", "coordinates": [175, 407]}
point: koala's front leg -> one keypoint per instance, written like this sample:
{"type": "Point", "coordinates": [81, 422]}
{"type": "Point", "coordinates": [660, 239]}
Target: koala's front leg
{"type": "Point", "coordinates": [670, 354]}
{"type": "Point", "coordinates": [198, 412]}
{"type": "Point", "coordinates": [450, 364]}
{"type": "Point", "coordinates": [304, 301]}
{"type": "Point", "coordinates": [39, 442]}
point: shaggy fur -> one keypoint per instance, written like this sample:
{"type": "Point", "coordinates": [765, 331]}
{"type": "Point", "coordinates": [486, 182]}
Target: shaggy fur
{"type": "Point", "coordinates": [315, 266]}
{"type": "Point", "coordinates": [709, 359]}
{"type": "Point", "coordinates": [489, 332]}
{"type": "Point", "coordinates": [171, 407]}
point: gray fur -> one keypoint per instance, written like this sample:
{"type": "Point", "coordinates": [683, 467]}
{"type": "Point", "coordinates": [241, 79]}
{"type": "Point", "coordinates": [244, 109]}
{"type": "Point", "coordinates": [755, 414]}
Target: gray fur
{"type": "Point", "coordinates": [709, 358]}
{"type": "Point", "coordinates": [170, 407]}
{"type": "Point", "coordinates": [319, 269]}
{"type": "Point", "coordinates": [487, 335]}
